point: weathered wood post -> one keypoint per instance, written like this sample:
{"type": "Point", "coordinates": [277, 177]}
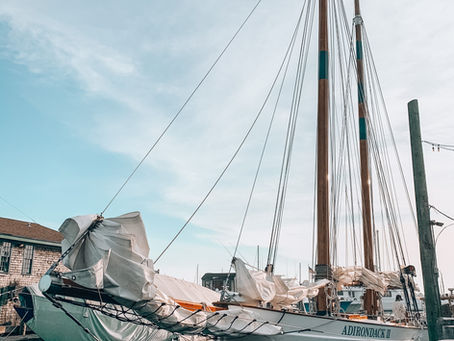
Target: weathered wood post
{"type": "Point", "coordinates": [426, 242]}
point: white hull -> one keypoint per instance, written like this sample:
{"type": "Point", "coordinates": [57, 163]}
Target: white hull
{"type": "Point", "coordinates": [308, 327]}
{"type": "Point", "coordinates": [51, 323]}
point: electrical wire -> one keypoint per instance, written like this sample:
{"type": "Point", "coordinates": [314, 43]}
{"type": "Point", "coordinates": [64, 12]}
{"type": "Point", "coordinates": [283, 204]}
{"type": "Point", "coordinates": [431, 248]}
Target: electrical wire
{"type": "Point", "coordinates": [17, 209]}
{"type": "Point", "coordinates": [439, 233]}
{"type": "Point", "coordinates": [442, 213]}
{"type": "Point", "coordinates": [439, 146]}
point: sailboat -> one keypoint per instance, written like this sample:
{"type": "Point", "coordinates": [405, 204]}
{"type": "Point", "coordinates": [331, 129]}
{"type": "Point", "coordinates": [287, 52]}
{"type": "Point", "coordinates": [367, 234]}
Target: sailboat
{"type": "Point", "coordinates": [111, 272]}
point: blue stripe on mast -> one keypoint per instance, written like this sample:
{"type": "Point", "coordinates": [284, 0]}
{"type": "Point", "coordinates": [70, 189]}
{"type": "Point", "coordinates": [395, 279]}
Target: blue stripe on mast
{"type": "Point", "coordinates": [362, 129]}
{"type": "Point", "coordinates": [323, 65]}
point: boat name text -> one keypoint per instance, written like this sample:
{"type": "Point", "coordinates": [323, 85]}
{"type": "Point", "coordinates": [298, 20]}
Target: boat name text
{"type": "Point", "coordinates": [380, 333]}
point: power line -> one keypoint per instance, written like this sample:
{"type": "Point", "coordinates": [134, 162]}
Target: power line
{"type": "Point", "coordinates": [442, 213]}
{"type": "Point", "coordinates": [439, 146]}
{"type": "Point", "coordinates": [18, 209]}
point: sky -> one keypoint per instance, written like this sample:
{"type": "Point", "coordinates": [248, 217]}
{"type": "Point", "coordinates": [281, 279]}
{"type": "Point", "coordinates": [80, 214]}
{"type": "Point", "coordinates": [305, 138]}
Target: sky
{"type": "Point", "coordinates": [87, 87]}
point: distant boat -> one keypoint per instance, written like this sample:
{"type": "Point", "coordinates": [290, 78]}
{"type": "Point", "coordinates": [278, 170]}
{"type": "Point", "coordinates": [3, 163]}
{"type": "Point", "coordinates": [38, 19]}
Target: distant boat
{"type": "Point", "coordinates": [353, 295]}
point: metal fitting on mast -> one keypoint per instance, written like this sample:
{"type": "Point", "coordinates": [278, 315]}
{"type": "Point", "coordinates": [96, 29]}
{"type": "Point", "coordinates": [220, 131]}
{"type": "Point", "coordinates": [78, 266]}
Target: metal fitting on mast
{"type": "Point", "coordinates": [357, 20]}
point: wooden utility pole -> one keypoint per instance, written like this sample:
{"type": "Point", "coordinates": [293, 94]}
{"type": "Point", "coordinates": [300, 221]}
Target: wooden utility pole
{"type": "Point", "coordinates": [370, 297]}
{"type": "Point", "coordinates": [323, 268]}
{"type": "Point", "coordinates": [426, 242]}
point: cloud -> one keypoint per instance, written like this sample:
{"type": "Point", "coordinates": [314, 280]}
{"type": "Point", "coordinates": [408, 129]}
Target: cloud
{"type": "Point", "coordinates": [145, 65]}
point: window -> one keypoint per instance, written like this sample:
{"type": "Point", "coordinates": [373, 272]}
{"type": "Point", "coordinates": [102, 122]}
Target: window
{"type": "Point", "coordinates": [28, 259]}
{"type": "Point", "coordinates": [5, 255]}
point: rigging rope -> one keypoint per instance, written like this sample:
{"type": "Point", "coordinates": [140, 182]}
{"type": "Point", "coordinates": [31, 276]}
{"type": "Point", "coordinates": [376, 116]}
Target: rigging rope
{"type": "Point", "coordinates": [181, 108]}
{"type": "Point", "coordinates": [267, 137]}
{"type": "Point", "coordinates": [293, 40]}
{"type": "Point", "coordinates": [290, 134]}
{"type": "Point", "coordinates": [373, 105]}
{"type": "Point", "coordinates": [338, 130]}
{"type": "Point", "coordinates": [383, 169]}
{"type": "Point", "coordinates": [234, 154]}
{"type": "Point", "coordinates": [344, 162]}
{"type": "Point", "coordinates": [376, 142]}
{"type": "Point", "coordinates": [344, 128]}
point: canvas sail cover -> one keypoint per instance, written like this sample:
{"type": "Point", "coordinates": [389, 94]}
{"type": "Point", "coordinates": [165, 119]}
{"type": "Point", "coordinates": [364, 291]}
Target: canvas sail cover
{"type": "Point", "coordinates": [257, 286]}
{"type": "Point", "coordinates": [51, 324]}
{"type": "Point", "coordinates": [378, 281]}
{"type": "Point", "coordinates": [114, 257]}
{"type": "Point", "coordinates": [392, 278]}
{"type": "Point", "coordinates": [110, 256]}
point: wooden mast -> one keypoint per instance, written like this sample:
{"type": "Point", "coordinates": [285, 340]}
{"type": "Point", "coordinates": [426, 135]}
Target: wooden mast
{"type": "Point", "coordinates": [370, 298]}
{"type": "Point", "coordinates": [322, 269]}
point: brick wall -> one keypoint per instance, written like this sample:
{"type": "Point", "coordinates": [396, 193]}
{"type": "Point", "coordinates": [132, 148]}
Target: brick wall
{"type": "Point", "coordinates": [43, 257]}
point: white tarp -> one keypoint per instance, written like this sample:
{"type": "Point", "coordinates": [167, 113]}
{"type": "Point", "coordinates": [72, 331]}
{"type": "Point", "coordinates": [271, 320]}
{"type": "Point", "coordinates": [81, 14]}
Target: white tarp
{"type": "Point", "coordinates": [51, 324]}
{"type": "Point", "coordinates": [186, 291]}
{"type": "Point", "coordinates": [259, 287]}
{"type": "Point", "coordinates": [110, 256]}
{"type": "Point", "coordinates": [113, 257]}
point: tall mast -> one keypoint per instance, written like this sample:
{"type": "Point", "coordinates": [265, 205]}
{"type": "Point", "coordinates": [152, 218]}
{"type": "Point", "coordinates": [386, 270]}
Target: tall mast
{"type": "Point", "coordinates": [323, 269]}
{"type": "Point", "coordinates": [370, 299]}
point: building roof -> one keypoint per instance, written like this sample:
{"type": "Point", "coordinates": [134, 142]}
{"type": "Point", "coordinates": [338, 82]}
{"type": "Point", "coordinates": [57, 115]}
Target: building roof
{"type": "Point", "coordinates": [211, 275]}
{"type": "Point", "coordinates": [21, 230]}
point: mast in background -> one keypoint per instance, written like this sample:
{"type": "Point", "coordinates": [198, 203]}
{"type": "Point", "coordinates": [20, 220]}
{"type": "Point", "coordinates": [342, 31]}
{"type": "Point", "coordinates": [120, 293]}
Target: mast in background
{"type": "Point", "coordinates": [370, 297]}
{"type": "Point", "coordinates": [426, 242]}
{"type": "Point", "coordinates": [323, 268]}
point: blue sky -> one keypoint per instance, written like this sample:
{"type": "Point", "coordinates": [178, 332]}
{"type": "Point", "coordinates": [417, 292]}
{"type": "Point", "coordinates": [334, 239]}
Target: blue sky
{"type": "Point", "coordinates": [86, 88]}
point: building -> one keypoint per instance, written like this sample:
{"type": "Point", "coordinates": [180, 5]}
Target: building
{"type": "Point", "coordinates": [27, 250]}
{"type": "Point", "coordinates": [215, 281]}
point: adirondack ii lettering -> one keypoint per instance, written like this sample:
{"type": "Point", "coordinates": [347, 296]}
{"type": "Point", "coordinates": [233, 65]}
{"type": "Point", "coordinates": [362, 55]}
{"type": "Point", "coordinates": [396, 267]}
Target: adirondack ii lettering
{"type": "Point", "coordinates": [380, 333]}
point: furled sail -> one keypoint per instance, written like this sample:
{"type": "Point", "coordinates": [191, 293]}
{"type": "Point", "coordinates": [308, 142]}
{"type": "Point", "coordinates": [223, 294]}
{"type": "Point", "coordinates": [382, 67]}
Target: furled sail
{"type": "Point", "coordinates": [378, 281]}
{"type": "Point", "coordinates": [254, 286]}
{"type": "Point", "coordinates": [258, 287]}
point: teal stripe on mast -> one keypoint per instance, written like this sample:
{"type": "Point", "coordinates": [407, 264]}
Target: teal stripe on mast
{"type": "Point", "coordinates": [323, 65]}
{"type": "Point", "coordinates": [362, 129]}
{"type": "Point", "coordinates": [359, 49]}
